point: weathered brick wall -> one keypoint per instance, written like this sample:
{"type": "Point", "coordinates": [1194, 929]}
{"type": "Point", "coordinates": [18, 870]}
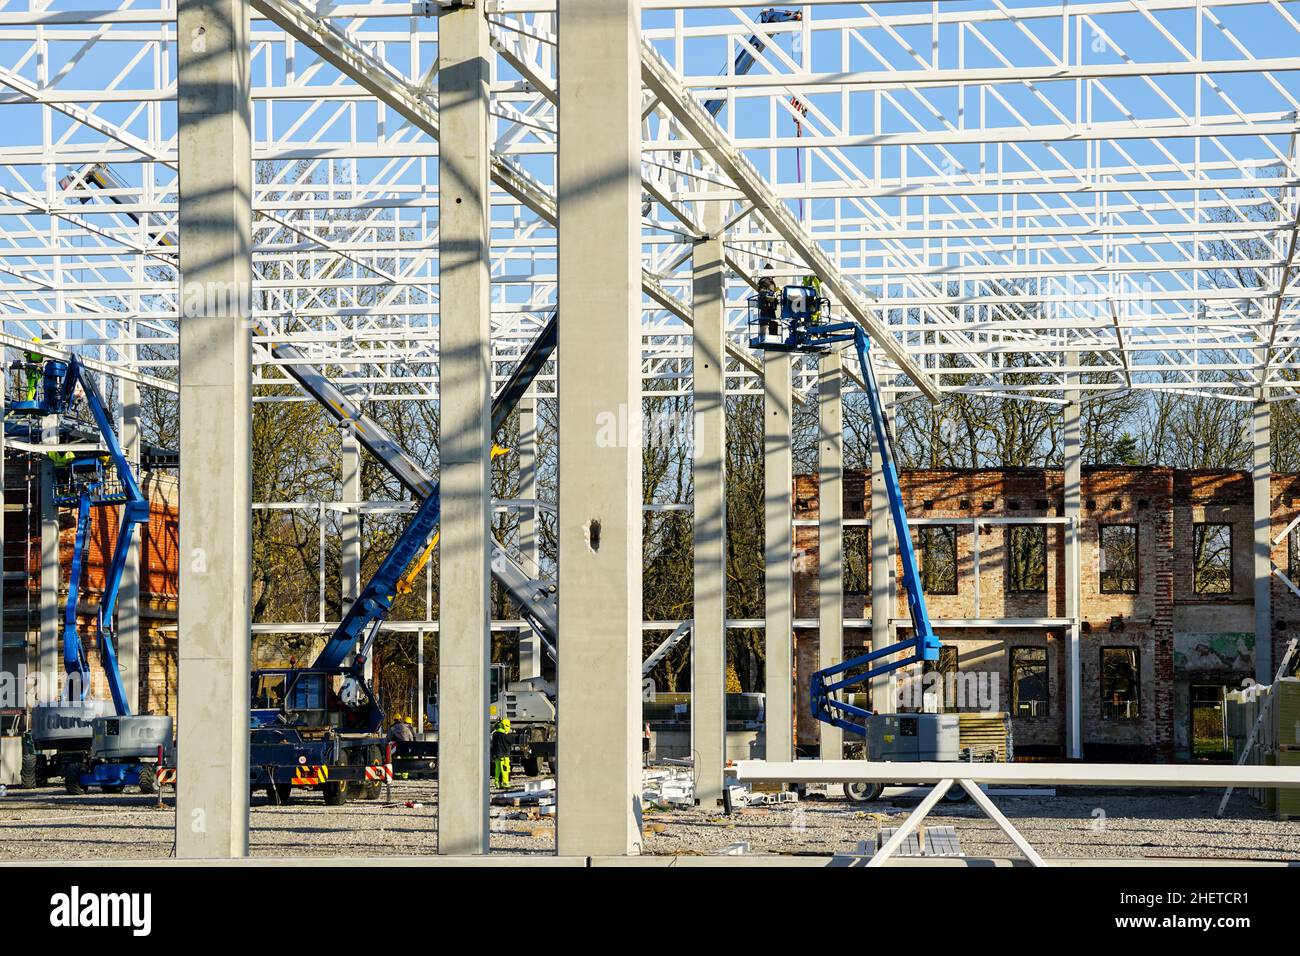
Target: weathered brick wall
{"type": "Point", "coordinates": [1138, 496]}
{"type": "Point", "coordinates": [1286, 605]}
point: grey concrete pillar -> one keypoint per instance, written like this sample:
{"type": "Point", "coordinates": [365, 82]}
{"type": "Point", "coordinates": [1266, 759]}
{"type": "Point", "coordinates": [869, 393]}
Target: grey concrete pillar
{"type": "Point", "coordinates": [128, 603]}
{"type": "Point", "coordinates": [47, 648]}
{"type": "Point", "coordinates": [420, 709]}
{"type": "Point", "coordinates": [1073, 452]}
{"type": "Point", "coordinates": [4, 508]}
{"type": "Point", "coordinates": [350, 532]}
{"type": "Point", "coordinates": [884, 592]}
{"type": "Point", "coordinates": [213, 100]}
{"type": "Point", "coordinates": [350, 523]}
{"type": "Point", "coordinates": [830, 530]}
{"type": "Point", "coordinates": [778, 547]}
{"type": "Point", "coordinates": [530, 645]}
{"type": "Point", "coordinates": [599, 184]}
{"type": "Point", "coordinates": [1261, 476]}
{"type": "Point", "coordinates": [709, 633]}
{"type": "Point", "coordinates": [465, 440]}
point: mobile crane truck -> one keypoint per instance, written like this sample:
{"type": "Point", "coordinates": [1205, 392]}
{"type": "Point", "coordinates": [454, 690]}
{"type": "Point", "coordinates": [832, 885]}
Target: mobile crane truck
{"type": "Point", "coordinates": [307, 733]}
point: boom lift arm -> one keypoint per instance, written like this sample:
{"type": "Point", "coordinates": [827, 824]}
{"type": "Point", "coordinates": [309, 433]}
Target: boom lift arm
{"type": "Point", "coordinates": [798, 329]}
{"type": "Point", "coordinates": [59, 380]}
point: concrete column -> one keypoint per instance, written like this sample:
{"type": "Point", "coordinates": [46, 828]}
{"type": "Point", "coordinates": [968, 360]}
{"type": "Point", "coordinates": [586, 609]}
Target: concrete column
{"type": "Point", "coordinates": [1073, 450]}
{"type": "Point", "coordinates": [530, 645]}
{"type": "Point", "coordinates": [419, 685]}
{"type": "Point", "coordinates": [350, 532]}
{"type": "Point", "coordinates": [884, 592]}
{"type": "Point", "coordinates": [350, 525]}
{"type": "Point", "coordinates": [128, 602]}
{"type": "Point", "coordinates": [709, 634]}
{"type": "Point", "coordinates": [47, 649]}
{"type": "Point", "coordinates": [215, 153]}
{"type": "Point", "coordinates": [1261, 476]}
{"type": "Point", "coordinates": [778, 547]}
{"type": "Point", "coordinates": [830, 530]}
{"type": "Point", "coordinates": [4, 509]}
{"type": "Point", "coordinates": [465, 441]}
{"type": "Point", "coordinates": [599, 180]}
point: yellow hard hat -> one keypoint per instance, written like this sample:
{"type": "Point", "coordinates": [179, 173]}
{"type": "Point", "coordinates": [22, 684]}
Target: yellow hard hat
{"type": "Point", "coordinates": [505, 724]}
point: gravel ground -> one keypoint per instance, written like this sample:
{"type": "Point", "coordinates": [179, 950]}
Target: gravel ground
{"type": "Point", "coordinates": [48, 824]}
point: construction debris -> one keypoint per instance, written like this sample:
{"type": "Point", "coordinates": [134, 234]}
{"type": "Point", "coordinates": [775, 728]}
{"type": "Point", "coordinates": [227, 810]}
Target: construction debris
{"type": "Point", "coordinates": [534, 793]}
{"type": "Point", "coordinates": [740, 797]}
{"type": "Point", "coordinates": [667, 788]}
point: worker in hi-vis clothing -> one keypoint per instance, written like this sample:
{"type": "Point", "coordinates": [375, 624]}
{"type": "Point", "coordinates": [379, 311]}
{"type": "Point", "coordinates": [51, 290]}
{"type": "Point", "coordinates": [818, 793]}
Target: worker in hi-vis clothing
{"type": "Point", "coordinates": [501, 752]}
{"type": "Point", "coordinates": [814, 283]}
{"type": "Point", "coordinates": [35, 364]}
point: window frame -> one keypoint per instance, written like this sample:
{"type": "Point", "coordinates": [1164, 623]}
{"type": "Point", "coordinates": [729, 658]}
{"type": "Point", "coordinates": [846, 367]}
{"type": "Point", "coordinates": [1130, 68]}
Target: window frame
{"type": "Point", "coordinates": [1137, 680]}
{"type": "Point", "coordinates": [848, 561]}
{"type": "Point", "coordinates": [949, 662]}
{"type": "Point", "coordinates": [1010, 583]}
{"type": "Point", "coordinates": [1137, 557]}
{"type": "Point", "coordinates": [1292, 557]}
{"type": "Point", "coordinates": [1014, 702]}
{"type": "Point", "coordinates": [923, 532]}
{"type": "Point", "coordinates": [1232, 568]}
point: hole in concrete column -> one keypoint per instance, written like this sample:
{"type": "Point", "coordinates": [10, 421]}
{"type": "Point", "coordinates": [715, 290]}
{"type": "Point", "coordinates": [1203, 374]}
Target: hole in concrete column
{"type": "Point", "coordinates": [593, 534]}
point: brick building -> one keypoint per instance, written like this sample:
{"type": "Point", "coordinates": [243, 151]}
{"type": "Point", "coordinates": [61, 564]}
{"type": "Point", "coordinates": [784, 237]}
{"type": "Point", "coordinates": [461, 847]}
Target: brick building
{"type": "Point", "coordinates": [158, 586]}
{"type": "Point", "coordinates": [1166, 598]}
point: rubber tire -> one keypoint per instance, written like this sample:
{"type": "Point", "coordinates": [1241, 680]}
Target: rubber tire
{"type": "Point", "coordinates": [28, 779]}
{"type": "Point", "coordinates": [863, 792]}
{"type": "Point", "coordinates": [148, 779]}
{"type": "Point", "coordinates": [532, 766]}
{"type": "Point", "coordinates": [335, 794]}
{"type": "Point", "coordinates": [956, 794]}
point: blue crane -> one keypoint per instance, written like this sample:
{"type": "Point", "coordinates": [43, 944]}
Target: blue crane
{"type": "Point", "coordinates": [102, 177]}
{"type": "Point", "coordinates": [371, 607]}
{"type": "Point", "coordinates": [797, 320]}
{"type": "Point", "coordinates": [288, 703]}
{"type": "Point", "coordinates": [745, 58]}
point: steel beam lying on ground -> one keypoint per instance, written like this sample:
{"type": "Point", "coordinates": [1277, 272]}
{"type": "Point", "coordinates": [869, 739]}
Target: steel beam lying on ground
{"type": "Point", "coordinates": [1070, 774]}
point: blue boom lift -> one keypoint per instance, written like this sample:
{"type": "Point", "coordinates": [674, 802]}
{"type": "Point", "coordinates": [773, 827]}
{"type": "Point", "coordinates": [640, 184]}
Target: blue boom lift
{"type": "Point", "coordinates": [797, 320]}
{"type": "Point", "coordinates": [306, 735]}
{"type": "Point", "coordinates": [106, 750]}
